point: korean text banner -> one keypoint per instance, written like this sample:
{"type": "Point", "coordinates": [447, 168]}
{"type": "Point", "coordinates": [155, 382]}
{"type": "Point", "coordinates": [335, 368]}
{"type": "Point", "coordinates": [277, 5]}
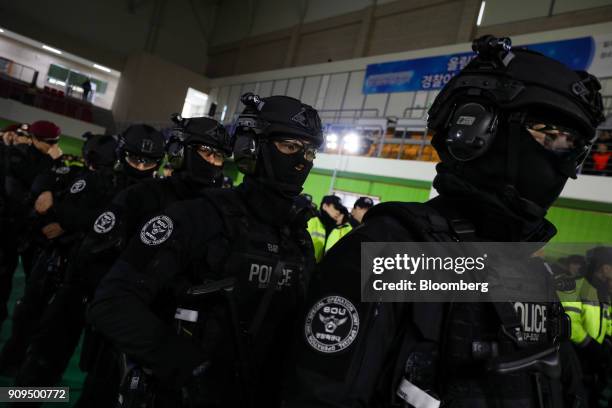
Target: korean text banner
{"type": "Point", "coordinates": [430, 73]}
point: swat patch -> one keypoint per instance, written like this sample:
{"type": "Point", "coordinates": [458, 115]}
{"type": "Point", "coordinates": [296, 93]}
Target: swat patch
{"type": "Point", "coordinates": [156, 230]}
{"type": "Point", "coordinates": [105, 222]}
{"type": "Point", "coordinates": [300, 118]}
{"type": "Point", "coordinates": [332, 324]}
{"type": "Point", "coordinates": [78, 186]}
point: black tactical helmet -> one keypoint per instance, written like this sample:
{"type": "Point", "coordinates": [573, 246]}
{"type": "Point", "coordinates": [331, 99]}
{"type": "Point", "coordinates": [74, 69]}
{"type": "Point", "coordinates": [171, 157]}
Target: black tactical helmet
{"type": "Point", "coordinates": [280, 115]}
{"type": "Point", "coordinates": [143, 141]}
{"type": "Point", "coordinates": [506, 84]}
{"type": "Point", "coordinates": [268, 117]}
{"type": "Point", "coordinates": [99, 150]}
{"type": "Point", "coordinates": [201, 130]}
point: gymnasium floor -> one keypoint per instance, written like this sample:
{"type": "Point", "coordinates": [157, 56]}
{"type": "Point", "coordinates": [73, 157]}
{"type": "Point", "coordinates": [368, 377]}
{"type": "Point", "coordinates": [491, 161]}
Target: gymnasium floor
{"type": "Point", "coordinates": [73, 377]}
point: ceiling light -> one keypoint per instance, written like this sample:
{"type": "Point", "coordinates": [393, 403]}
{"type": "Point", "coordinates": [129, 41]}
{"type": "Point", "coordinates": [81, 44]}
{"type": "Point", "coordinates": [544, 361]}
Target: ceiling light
{"type": "Point", "coordinates": [101, 68]}
{"type": "Point", "coordinates": [481, 13]}
{"type": "Point", "coordinates": [53, 50]}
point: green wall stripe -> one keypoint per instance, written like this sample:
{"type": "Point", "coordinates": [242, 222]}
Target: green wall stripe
{"type": "Point", "coordinates": [583, 205]}
{"type": "Point", "coordinates": [371, 177]}
{"type": "Point", "coordinates": [575, 225]}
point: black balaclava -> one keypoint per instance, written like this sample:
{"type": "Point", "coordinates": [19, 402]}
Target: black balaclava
{"type": "Point", "coordinates": [198, 171]}
{"type": "Point", "coordinates": [491, 173]}
{"type": "Point", "coordinates": [279, 169]}
{"type": "Point", "coordinates": [134, 173]}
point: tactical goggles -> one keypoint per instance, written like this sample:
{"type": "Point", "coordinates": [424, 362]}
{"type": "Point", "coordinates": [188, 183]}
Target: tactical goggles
{"type": "Point", "coordinates": [217, 156]}
{"type": "Point", "coordinates": [135, 160]}
{"type": "Point", "coordinates": [564, 142]}
{"type": "Point", "coordinates": [294, 146]}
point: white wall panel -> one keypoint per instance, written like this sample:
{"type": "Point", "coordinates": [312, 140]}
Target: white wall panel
{"type": "Point", "coordinates": [398, 102]}
{"type": "Point", "coordinates": [265, 89]}
{"type": "Point", "coordinates": [375, 101]}
{"type": "Point", "coordinates": [280, 87]}
{"type": "Point", "coordinates": [295, 87]}
{"type": "Point", "coordinates": [335, 91]}
{"type": "Point", "coordinates": [311, 87]}
{"type": "Point", "coordinates": [354, 93]}
{"type": "Point", "coordinates": [232, 102]}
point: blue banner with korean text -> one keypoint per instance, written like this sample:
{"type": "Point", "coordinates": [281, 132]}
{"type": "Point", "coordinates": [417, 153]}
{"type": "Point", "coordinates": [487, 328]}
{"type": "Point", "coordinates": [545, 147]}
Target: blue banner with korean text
{"type": "Point", "coordinates": [430, 73]}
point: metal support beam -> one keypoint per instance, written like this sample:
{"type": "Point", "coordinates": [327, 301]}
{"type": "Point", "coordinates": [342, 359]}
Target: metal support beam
{"type": "Point", "coordinates": [295, 34]}
{"type": "Point", "coordinates": [363, 38]}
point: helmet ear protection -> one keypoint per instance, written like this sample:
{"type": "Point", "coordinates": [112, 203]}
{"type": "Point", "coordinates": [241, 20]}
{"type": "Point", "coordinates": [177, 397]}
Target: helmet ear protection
{"type": "Point", "coordinates": [247, 134]}
{"type": "Point", "coordinates": [471, 128]}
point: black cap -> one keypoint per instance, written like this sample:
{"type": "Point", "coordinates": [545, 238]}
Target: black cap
{"type": "Point", "coordinates": [598, 257]}
{"type": "Point", "coordinates": [143, 140]}
{"type": "Point", "coordinates": [364, 202]}
{"type": "Point", "coordinates": [331, 199]}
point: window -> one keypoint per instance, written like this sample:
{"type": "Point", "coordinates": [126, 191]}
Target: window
{"type": "Point", "coordinates": [195, 104]}
{"type": "Point", "coordinates": [64, 77]}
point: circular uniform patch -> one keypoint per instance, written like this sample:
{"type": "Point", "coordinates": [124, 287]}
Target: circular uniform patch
{"type": "Point", "coordinates": [62, 170]}
{"type": "Point", "coordinates": [78, 186]}
{"type": "Point", "coordinates": [156, 230]}
{"type": "Point", "coordinates": [332, 324]}
{"type": "Point", "coordinates": [105, 222]}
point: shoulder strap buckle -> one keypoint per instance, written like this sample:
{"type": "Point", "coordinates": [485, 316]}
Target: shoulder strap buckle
{"type": "Point", "coordinates": [463, 229]}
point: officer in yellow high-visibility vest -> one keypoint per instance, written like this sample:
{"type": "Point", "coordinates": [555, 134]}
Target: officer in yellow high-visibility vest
{"type": "Point", "coordinates": [317, 233]}
{"type": "Point", "coordinates": [330, 226]}
{"type": "Point", "coordinates": [588, 306]}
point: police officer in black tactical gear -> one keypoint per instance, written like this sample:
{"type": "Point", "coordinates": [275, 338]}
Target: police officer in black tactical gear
{"type": "Point", "coordinates": [196, 150]}
{"type": "Point", "coordinates": [8, 254]}
{"type": "Point", "coordinates": [67, 211]}
{"type": "Point", "coordinates": [68, 214]}
{"type": "Point", "coordinates": [510, 129]}
{"type": "Point", "coordinates": [205, 295]}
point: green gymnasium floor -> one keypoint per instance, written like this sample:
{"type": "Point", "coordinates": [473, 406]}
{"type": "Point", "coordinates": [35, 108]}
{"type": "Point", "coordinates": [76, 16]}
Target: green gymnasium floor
{"type": "Point", "coordinates": [73, 377]}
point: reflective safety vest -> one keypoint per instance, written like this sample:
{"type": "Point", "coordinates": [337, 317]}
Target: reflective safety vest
{"type": "Point", "coordinates": [336, 234]}
{"type": "Point", "coordinates": [322, 242]}
{"type": "Point", "coordinates": [590, 317]}
{"type": "Point", "coordinates": [317, 233]}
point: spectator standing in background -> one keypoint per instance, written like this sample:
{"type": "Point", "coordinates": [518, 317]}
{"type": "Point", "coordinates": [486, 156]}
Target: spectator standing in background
{"type": "Point", "coordinates": [601, 158]}
{"type": "Point", "coordinates": [86, 89]}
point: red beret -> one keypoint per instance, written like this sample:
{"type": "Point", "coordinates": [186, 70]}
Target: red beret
{"type": "Point", "coordinates": [45, 131]}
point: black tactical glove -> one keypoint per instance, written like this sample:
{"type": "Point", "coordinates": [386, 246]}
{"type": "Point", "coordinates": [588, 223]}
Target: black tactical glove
{"type": "Point", "coordinates": [197, 392]}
